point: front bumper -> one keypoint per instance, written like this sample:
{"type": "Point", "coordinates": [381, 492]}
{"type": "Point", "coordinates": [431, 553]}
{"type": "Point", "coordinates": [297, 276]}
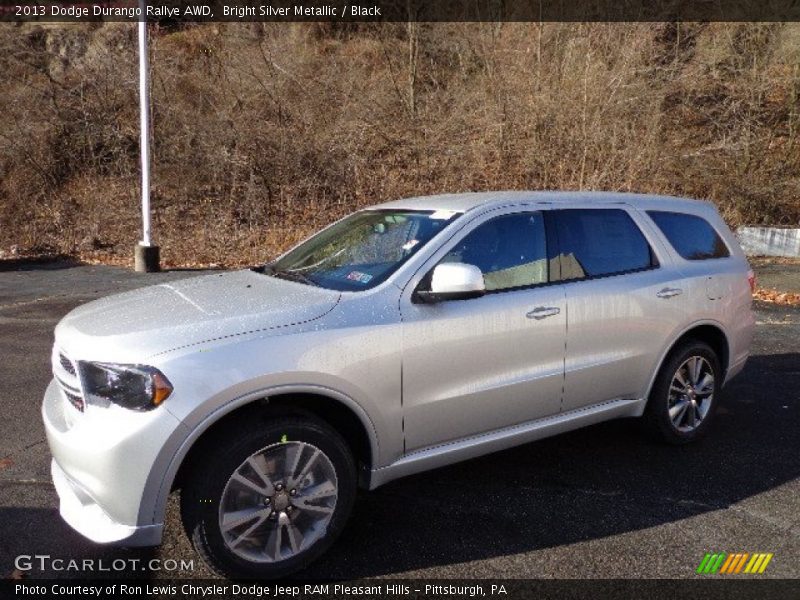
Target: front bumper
{"type": "Point", "coordinates": [89, 519]}
{"type": "Point", "coordinates": [102, 463]}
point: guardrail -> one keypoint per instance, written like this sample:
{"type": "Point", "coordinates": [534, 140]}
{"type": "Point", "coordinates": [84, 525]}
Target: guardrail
{"type": "Point", "coordinates": [769, 241]}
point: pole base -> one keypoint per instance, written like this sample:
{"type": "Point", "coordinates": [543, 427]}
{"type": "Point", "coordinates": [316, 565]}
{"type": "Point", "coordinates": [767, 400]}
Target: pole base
{"type": "Point", "coordinates": [146, 259]}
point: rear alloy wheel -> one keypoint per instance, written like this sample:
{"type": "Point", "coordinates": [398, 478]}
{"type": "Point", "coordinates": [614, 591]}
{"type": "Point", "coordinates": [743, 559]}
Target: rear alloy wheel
{"type": "Point", "coordinates": [691, 394]}
{"type": "Point", "coordinates": [684, 395]}
{"type": "Point", "coordinates": [267, 498]}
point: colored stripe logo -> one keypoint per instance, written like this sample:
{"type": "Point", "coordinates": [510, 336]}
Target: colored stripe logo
{"type": "Point", "coordinates": [731, 564]}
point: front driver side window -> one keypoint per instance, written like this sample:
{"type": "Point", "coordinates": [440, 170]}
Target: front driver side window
{"type": "Point", "coordinates": [511, 251]}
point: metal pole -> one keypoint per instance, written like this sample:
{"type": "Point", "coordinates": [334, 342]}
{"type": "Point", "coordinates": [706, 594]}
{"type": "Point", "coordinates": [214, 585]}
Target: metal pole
{"type": "Point", "coordinates": [144, 112]}
{"type": "Point", "coordinates": [146, 255]}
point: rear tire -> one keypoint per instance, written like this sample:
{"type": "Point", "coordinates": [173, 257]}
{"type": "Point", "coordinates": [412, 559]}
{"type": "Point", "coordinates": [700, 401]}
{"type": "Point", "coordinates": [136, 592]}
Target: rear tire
{"type": "Point", "coordinates": [685, 394]}
{"type": "Point", "coordinates": [266, 498]}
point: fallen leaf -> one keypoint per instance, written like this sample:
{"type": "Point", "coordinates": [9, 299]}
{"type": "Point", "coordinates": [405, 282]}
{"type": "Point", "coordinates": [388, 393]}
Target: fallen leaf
{"type": "Point", "coordinates": [777, 297]}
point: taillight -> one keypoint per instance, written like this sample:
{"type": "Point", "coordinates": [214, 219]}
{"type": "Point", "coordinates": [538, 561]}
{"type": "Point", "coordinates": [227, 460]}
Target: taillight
{"type": "Point", "coordinates": [751, 279]}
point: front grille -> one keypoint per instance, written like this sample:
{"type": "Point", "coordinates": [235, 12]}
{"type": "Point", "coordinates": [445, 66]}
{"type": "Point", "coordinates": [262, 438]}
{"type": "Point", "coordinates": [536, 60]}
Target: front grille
{"type": "Point", "coordinates": [67, 378]}
{"type": "Point", "coordinates": [66, 364]}
{"type": "Point", "coordinates": [75, 399]}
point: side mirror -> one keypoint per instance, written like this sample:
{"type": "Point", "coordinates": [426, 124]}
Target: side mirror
{"type": "Point", "coordinates": [453, 281]}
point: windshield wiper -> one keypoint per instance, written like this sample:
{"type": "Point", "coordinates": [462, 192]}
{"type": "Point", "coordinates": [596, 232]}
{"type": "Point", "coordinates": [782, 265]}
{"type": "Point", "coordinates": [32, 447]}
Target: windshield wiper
{"type": "Point", "coordinates": [284, 274]}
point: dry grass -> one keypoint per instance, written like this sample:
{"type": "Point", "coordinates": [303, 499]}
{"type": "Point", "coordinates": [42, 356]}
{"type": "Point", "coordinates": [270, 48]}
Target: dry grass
{"type": "Point", "coordinates": [264, 132]}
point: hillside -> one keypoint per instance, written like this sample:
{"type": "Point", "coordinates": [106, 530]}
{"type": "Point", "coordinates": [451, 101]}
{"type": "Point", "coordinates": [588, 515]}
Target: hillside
{"type": "Point", "coordinates": [264, 132]}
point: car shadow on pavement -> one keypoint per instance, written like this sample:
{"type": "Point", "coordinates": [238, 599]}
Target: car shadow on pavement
{"type": "Point", "coordinates": [37, 543]}
{"type": "Point", "coordinates": [582, 486]}
{"type": "Point", "coordinates": [592, 483]}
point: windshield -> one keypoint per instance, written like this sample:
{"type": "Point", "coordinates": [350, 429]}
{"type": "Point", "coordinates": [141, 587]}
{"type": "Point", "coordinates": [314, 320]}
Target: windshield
{"type": "Point", "coordinates": [362, 250]}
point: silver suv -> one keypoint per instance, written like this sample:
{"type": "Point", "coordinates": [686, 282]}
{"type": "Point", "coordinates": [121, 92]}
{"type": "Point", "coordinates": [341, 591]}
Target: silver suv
{"type": "Point", "coordinates": [402, 338]}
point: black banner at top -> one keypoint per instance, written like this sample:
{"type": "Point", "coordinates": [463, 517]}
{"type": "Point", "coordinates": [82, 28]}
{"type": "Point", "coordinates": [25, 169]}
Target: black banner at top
{"type": "Point", "coordinates": [400, 10]}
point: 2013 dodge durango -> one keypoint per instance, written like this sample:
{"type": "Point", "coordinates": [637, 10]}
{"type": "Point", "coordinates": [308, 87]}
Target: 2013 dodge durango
{"type": "Point", "coordinates": [404, 337]}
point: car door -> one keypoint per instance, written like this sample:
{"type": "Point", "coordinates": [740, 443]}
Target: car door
{"type": "Point", "coordinates": [623, 301]}
{"type": "Point", "coordinates": [477, 365]}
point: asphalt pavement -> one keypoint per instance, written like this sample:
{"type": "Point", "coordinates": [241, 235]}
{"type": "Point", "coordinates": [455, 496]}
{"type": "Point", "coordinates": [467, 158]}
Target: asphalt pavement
{"type": "Point", "coordinates": [602, 502]}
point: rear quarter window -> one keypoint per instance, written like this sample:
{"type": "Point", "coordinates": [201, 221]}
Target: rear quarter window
{"type": "Point", "coordinates": [692, 237]}
{"type": "Point", "coordinates": [600, 242]}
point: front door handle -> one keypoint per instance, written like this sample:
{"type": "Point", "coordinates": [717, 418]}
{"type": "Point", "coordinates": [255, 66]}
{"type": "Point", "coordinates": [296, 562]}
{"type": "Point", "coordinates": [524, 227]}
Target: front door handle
{"type": "Point", "coordinates": [542, 312]}
{"type": "Point", "coordinates": [669, 292]}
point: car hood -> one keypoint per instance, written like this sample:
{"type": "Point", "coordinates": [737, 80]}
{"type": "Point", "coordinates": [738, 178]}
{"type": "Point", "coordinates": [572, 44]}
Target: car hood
{"type": "Point", "coordinates": [135, 325]}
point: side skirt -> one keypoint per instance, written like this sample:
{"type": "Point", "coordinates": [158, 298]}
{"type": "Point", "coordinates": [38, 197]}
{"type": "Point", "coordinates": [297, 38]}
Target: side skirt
{"type": "Point", "coordinates": [500, 439]}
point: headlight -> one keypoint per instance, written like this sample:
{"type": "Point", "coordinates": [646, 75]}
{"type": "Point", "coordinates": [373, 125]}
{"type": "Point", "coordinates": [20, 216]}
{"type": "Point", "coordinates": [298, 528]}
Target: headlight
{"type": "Point", "coordinates": [137, 387]}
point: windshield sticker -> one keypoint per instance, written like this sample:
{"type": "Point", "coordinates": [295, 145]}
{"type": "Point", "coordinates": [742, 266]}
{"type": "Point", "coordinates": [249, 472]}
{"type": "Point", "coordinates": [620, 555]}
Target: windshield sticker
{"type": "Point", "coordinates": [443, 214]}
{"type": "Point", "coordinates": [359, 276]}
{"type": "Point", "coordinates": [410, 244]}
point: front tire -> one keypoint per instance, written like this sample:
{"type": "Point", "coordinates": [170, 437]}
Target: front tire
{"type": "Point", "coordinates": [684, 397]}
{"type": "Point", "coordinates": [269, 497]}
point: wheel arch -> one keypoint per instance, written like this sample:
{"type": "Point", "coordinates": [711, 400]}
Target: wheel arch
{"type": "Point", "coordinates": [710, 332]}
{"type": "Point", "coordinates": [337, 409]}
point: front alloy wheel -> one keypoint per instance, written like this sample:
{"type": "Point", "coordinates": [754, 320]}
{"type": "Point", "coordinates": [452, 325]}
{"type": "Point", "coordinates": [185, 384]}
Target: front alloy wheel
{"type": "Point", "coordinates": [279, 502]}
{"type": "Point", "coordinates": [267, 495]}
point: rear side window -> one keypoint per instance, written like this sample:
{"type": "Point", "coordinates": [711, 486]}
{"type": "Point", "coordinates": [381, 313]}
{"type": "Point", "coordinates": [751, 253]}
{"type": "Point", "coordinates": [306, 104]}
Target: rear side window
{"type": "Point", "coordinates": [600, 242]}
{"type": "Point", "coordinates": [691, 236]}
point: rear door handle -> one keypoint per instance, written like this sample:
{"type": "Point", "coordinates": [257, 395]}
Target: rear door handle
{"type": "Point", "coordinates": [542, 312]}
{"type": "Point", "coordinates": [669, 292]}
